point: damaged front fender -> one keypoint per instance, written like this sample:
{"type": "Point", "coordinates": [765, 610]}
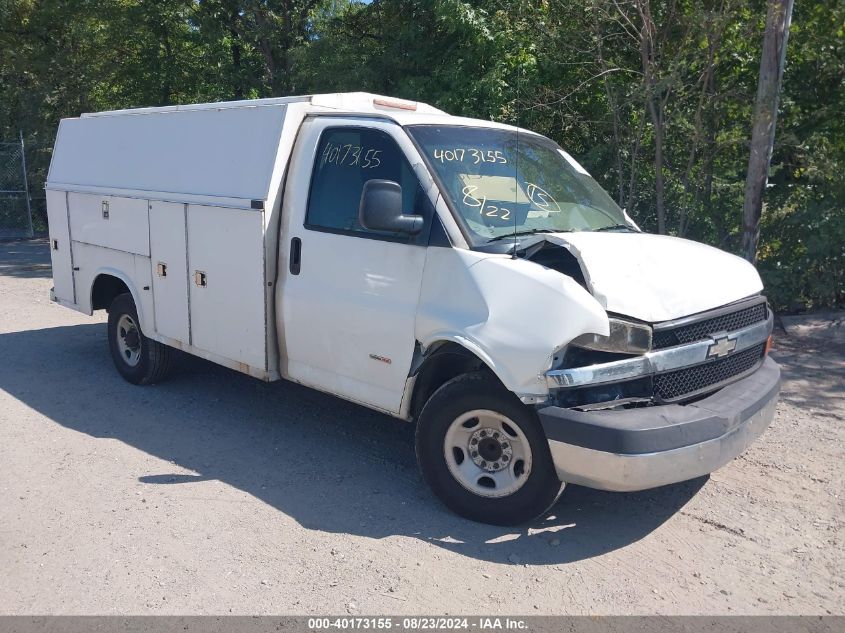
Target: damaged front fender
{"type": "Point", "coordinates": [511, 313]}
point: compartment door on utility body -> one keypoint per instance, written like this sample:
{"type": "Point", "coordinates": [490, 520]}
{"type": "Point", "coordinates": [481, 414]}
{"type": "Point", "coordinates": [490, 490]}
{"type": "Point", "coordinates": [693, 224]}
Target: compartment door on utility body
{"type": "Point", "coordinates": [349, 298]}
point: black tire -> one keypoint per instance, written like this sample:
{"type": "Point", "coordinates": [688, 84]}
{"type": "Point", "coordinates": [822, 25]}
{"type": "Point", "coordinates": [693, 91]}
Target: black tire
{"type": "Point", "coordinates": [466, 393]}
{"type": "Point", "coordinates": [146, 361]}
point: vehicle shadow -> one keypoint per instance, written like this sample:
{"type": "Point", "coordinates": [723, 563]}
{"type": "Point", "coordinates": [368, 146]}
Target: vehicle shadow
{"type": "Point", "coordinates": [329, 464]}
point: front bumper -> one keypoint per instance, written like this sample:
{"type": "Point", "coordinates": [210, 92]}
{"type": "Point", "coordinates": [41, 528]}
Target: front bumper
{"type": "Point", "coordinates": [636, 449]}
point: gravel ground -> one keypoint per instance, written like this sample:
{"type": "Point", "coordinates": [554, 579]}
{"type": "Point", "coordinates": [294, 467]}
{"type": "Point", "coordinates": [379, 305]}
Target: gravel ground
{"type": "Point", "coordinates": [215, 493]}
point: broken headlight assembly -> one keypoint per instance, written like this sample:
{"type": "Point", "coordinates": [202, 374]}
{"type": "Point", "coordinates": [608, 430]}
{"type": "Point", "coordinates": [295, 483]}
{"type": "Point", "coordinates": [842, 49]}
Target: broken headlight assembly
{"type": "Point", "coordinates": [626, 337]}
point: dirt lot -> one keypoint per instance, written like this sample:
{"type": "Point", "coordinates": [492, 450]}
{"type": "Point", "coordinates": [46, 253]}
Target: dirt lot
{"type": "Point", "coordinates": [216, 493]}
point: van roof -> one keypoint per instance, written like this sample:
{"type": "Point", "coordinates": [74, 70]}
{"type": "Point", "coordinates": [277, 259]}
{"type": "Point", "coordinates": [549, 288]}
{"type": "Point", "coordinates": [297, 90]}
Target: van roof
{"type": "Point", "coordinates": [402, 111]}
{"type": "Point", "coordinates": [363, 102]}
{"type": "Point", "coordinates": [230, 153]}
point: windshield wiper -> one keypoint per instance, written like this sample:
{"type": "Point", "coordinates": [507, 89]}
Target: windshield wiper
{"type": "Point", "coordinates": [614, 227]}
{"type": "Point", "coordinates": [528, 232]}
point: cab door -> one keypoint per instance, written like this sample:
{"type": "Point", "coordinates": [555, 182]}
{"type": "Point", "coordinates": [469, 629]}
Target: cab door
{"type": "Point", "coordinates": [349, 296]}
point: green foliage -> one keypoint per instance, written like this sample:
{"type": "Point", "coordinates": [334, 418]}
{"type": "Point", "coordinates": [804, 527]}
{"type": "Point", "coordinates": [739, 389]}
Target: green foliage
{"type": "Point", "coordinates": [802, 257]}
{"type": "Point", "coordinates": [604, 78]}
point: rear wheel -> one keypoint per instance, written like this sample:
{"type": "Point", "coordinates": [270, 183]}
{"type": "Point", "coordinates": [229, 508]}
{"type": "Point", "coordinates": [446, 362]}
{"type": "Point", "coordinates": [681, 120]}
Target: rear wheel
{"type": "Point", "coordinates": [484, 453]}
{"type": "Point", "coordinates": [138, 359]}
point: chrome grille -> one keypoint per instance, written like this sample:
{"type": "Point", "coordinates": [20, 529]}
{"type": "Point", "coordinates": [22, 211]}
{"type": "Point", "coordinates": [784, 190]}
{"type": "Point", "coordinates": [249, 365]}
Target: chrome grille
{"type": "Point", "coordinates": [701, 330]}
{"type": "Point", "coordinates": [691, 380]}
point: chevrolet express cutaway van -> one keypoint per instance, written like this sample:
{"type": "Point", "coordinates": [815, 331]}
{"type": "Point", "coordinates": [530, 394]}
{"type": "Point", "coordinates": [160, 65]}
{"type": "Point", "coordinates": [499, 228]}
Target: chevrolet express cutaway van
{"type": "Point", "coordinates": [465, 275]}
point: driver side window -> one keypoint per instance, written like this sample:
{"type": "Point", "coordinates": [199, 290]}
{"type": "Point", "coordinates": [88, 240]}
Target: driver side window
{"type": "Point", "coordinates": [347, 157]}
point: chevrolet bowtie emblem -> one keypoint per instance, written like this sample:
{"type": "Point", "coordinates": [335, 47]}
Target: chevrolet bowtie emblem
{"type": "Point", "coordinates": [721, 346]}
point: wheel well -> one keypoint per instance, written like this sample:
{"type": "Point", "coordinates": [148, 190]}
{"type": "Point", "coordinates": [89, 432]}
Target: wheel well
{"type": "Point", "coordinates": [105, 289]}
{"type": "Point", "coordinates": [439, 366]}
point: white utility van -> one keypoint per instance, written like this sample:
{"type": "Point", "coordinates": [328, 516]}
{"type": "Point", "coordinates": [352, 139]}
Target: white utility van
{"type": "Point", "coordinates": [465, 275]}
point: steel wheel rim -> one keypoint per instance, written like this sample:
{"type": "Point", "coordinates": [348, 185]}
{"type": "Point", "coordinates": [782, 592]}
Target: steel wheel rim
{"type": "Point", "coordinates": [490, 472]}
{"type": "Point", "coordinates": [128, 340]}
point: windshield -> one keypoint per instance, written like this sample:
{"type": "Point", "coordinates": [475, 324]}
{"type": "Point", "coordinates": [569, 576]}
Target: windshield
{"type": "Point", "coordinates": [499, 187]}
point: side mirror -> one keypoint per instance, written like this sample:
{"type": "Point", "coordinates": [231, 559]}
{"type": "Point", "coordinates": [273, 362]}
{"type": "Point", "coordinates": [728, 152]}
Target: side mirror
{"type": "Point", "coordinates": [381, 209]}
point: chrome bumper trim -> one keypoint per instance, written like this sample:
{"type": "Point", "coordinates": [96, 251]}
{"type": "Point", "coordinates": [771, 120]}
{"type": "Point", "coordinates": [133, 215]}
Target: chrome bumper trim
{"type": "Point", "coordinates": [657, 361]}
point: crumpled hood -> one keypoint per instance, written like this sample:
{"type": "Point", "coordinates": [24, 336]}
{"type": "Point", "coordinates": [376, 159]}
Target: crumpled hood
{"type": "Point", "coordinates": [657, 277]}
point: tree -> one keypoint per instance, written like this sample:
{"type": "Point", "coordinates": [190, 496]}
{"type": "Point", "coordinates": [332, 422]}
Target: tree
{"type": "Point", "coordinates": [654, 97]}
{"type": "Point", "coordinates": [772, 62]}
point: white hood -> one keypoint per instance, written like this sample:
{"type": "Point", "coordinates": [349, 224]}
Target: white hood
{"type": "Point", "coordinates": [656, 277]}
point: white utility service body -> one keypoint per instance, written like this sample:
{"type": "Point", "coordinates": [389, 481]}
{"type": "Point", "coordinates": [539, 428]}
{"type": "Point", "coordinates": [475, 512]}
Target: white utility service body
{"type": "Point", "coordinates": [239, 232]}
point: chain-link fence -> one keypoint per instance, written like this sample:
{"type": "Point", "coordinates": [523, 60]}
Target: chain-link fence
{"type": "Point", "coordinates": [15, 202]}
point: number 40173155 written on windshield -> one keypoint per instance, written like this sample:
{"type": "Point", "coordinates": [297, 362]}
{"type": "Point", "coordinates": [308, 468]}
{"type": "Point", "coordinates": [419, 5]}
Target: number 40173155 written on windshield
{"type": "Point", "coordinates": [469, 154]}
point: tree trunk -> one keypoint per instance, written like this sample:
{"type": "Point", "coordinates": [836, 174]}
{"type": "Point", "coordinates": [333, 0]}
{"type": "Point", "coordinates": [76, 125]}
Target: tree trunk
{"type": "Point", "coordinates": [656, 113]}
{"type": "Point", "coordinates": [237, 71]}
{"type": "Point", "coordinates": [654, 105]}
{"type": "Point", "coordinates": [704, 132]}
{"type": "Point", "coordinates": [765, 114]}
{"type": "Point", "coordinates": [611, 102]}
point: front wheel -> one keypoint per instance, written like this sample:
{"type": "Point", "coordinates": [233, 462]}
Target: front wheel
{"type": "Point", "coordinates": [138, 359]}
{"type": "Point", "coordinates": [484, 453]}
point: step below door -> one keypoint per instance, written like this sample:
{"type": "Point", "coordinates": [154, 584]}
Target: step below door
{"type": "Point", "coordinates": [226, 268]}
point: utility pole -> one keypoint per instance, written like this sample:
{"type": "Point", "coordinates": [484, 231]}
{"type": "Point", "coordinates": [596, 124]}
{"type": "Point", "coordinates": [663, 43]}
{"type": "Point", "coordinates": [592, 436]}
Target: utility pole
{"type": "Point", "coordinates": [26, 186]}
{"type": "Point", "coordinates": [772, 61]}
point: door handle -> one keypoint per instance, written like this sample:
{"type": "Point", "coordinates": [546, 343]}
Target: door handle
{"type": "Point", "coordinates": [200, 278]}
{"type": "Point", "coordinates": [295, 255]}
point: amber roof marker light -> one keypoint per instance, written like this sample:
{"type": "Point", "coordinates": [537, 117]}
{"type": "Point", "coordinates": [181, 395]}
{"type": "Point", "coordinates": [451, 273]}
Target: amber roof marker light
{"type": "Point", "coordinates": [399, 105]}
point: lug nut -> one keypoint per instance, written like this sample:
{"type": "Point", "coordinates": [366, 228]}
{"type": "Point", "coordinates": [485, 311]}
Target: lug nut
{"type": "Point", "coordinates": [475, 453]}
{"type": "Point", "coordinates": [483, 434]}
{"type": "Point", "coordinates": [474, 441]}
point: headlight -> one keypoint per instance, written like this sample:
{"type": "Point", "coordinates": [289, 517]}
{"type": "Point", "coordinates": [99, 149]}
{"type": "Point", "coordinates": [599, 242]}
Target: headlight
{"type": "Point", "coordinates": [625, 338]}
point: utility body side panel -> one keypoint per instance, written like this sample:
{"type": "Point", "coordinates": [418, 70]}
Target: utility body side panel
{"type": "Point", "coordinates": [195, 189]}
{"type": "Point", "coordinates": [134, 270]}
{"type": "Point", "coordinates": [110, 221]}
{"type": "Point", "coordinates": [226, 268]}
{"type": "Point", "coordinates": [213, 152]}
{"type": "Point", "coordinates": [60, 247]}
{"type": "Point", "coordinates": [169, 261]}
